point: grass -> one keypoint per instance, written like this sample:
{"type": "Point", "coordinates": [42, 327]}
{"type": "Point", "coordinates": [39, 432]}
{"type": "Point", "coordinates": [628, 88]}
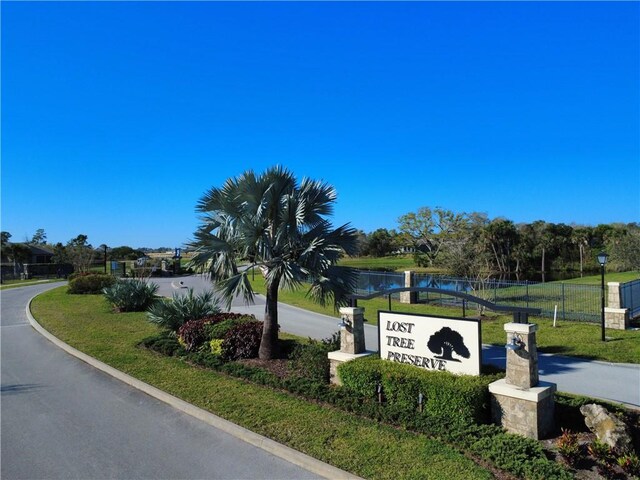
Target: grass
{"type": "Point", "coordinates": [7, 284]}
{"type": "Point", "coordinates": [621, 277]}
{"type": "Point", "coordinates": [394, 263]}
{"type": "Point", "coordinates": [358, 445]}
{"type": "Point", "coordinates": [577, 339]}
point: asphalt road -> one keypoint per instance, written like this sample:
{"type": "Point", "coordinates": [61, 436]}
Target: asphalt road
{"type": "Point", "coordinates": [62, 419]}
{"type": "Point", "coordinates": [608, 381]}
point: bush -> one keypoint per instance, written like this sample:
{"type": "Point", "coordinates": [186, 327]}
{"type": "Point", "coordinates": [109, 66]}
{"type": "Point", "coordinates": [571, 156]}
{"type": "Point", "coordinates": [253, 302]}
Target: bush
{"type": "Point", "coordinates": [165, 343]}
{"type": "Point", "coordinates": [193, 334]}
{"type": "Point", "coordinates": [223, 322]}
{"type": "Point", "coordinates": [311, 361]}
{"type": "Point", "coordinates": [92, 283]}
{"type": "Point", "coordinates": [447, 397]}
{"type": "Point", "coordinates": [182, 308]}
{"type": "Point", "coordinates": [242, 341]}
{"type": "Point", "coordinates": [131, 295]}
{"type": "Point", "coordinates": [215, 346]}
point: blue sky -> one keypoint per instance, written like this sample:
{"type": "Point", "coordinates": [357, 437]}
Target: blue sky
{"type": "Point", "coordinates": [118, 116]}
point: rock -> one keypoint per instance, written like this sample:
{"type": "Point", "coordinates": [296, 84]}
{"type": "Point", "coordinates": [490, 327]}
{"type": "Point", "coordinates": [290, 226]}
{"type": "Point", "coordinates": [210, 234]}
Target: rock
{"type": "Point", "coordinates": [608, 428]}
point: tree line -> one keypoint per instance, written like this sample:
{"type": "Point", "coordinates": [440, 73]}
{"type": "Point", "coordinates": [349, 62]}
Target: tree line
{"type": "Point", "coordinates": [473, 245]}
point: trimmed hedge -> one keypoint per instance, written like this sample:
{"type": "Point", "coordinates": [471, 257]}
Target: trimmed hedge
{"type": "Point", "coordinates": [90, 284]}
{"type": "Point", "coordinates": [446, 396]}
{"type": "Point", "coordinates": [520, 456]}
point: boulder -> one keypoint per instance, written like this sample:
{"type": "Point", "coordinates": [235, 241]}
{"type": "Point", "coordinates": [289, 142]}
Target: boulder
{"type": "Point", "coordinates": [608, 428]}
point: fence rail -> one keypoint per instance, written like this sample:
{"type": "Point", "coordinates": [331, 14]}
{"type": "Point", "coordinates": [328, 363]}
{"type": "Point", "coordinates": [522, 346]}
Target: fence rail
{"type": "Point", "coordinates": [573, 301]}
{"type": "Point", "coordinates": [630, 297]}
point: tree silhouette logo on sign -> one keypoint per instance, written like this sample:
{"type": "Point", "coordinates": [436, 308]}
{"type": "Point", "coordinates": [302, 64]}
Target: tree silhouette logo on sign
{"type": "Point", "coordinates": [429, 342]}
{"type": "Point", "coordinates": [445, 342]}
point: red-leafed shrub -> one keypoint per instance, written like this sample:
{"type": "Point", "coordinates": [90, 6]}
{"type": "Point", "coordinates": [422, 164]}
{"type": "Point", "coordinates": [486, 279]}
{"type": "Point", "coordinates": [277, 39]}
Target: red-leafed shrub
{"type": "Point", "coordinates": [242, 341]}
{"type": "Point", "coordinates": [194, 333]}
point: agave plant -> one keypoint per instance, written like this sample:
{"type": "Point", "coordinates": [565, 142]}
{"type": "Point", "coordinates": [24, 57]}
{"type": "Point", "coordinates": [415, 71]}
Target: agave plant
{"type": "Point", "coordinates": [174, 313]}
{"type": "Point", "coordinates": [131, 295]}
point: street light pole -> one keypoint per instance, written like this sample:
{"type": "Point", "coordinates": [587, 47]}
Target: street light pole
{"type": "Point", "coordinates": [602, 260]}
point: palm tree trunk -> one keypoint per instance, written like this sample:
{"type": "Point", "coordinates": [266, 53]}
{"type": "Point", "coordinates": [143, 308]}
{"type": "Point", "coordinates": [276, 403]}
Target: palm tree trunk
{"type": "Point", "coordinates": [269, 343]}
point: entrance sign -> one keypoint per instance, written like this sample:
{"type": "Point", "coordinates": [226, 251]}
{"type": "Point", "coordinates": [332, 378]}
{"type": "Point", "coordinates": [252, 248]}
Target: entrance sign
{"type": "Point", "coordinates": [429, 342]}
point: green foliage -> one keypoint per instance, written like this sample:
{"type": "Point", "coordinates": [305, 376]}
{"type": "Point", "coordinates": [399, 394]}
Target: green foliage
{"type": "Point", "coordinates": [182, 308]}
{"type": "Point", "coordinates": [90, 284]}
{"type": "Point", "coordinates": [165, 343]}
{"type": "Point", "coordinates": [226, 321]}
{"type": "Point", "coordinates": [242, 341]}
{"type": "Point", "coordinates": [568, 446]}
{"type": "Point", "coordinates": [216, 346]}
{"type": "Point", "coordinates": [192, 334]}
{"type": "Point", "coordinates": [630, 463]}
{"type": "Point", "coordinates": [278, 224]}
{"type": "Point", "coordinates": [131, 295]}
{"type": "Point", "coordinates": [310, 360]}
{"type": "Point", "coordinates": [463, 398]}
{"type": "Point", "coordinates": [521, 456]}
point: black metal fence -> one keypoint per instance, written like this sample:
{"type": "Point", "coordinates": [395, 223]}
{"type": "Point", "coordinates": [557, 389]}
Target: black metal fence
{"type": "Point", "coordinates": [630, 297]}
{"type": "Point", "coordinates": [566, 300]}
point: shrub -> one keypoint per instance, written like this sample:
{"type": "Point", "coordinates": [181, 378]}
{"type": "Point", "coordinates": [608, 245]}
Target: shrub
{"type": "Point", "coordinates": [131, 295]}
{"type": "Point", "coordinates": [216, 346]}
{"type": "Point", "coordinates": [193, 333]}
{"type": "Point", "coordinates": [447, 397]}
{"type": "Point", "coordinates": [521, 456]}
{"type": "Point", "coordinates": [90, 284]}
{"type": "Point", "coordinates": [182, 308]}
{"type": "Point", "coordinates": [311, 361]}
{"type": "Point", "coordinates": [165, 343]}
{"type": "Point", "coordinates": [223, 322]}
{"type": "Point", "coordinates": [242, 341]}
{"type": "Point", "coordinates": [568, 446]}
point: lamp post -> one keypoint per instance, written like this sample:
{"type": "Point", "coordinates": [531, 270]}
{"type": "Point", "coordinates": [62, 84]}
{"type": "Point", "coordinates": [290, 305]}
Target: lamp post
{"type": "Point", "coordinates": [602, 260]}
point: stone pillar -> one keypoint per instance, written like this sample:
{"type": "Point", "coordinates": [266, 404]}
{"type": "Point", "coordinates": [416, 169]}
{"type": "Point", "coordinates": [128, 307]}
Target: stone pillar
{"type": "Point", "coordinates": [522, 365]}
{"type": "Point", "coordinates": [352, 333]}
{"type": "Point", "coordinates": [520, 402]}
{"type": "Point", "coordinates": [409, 281]}
{"type": "Point", "coordinates": [616, 318]}
{"type": "Point", "coordinates": [352, 343]}
{"type": "Point", "coordinates": [614, 299]}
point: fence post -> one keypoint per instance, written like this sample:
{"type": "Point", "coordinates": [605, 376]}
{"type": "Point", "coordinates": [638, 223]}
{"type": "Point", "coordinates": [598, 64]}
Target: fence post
{"type": "Point", "coordinates": [563, 309]}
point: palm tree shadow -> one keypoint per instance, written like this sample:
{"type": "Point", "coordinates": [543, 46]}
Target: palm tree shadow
{"type": "Point", "coordinates": [16, 389]}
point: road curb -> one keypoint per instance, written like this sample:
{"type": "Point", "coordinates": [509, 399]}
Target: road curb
{"type": "Point", "coordinates": [282, 451]}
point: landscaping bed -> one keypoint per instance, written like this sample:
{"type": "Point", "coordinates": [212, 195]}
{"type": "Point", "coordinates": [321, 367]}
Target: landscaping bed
{"type": "Point", "coordinates": [294, 405]}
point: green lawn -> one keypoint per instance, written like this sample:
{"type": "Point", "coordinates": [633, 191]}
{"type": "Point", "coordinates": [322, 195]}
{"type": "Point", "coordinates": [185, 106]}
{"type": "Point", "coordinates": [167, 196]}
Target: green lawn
{"type": "Point", "coordinates": [578, 339]}
{"type": "Point", "coordinates": [395, 263]}
{"type": "Point", "coordinates": [361, 446]}
{"type": "Point", "coordinates": [7, 284]}
{"type": "Point", "coordinates": [621, 277]}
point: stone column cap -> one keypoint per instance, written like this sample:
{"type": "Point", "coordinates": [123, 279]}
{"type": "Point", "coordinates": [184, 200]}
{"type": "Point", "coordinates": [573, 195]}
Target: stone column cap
{"type": "Point", "coordinates": [521, 328]}
{"type": "Point", "coordinates": [345, 357]}
{"type": "Point", "coordinates": [351, 310]}
{"type": "Point", "coordinates": [613, 284]}
{"type": "Point", "coordinates": [533, 394]}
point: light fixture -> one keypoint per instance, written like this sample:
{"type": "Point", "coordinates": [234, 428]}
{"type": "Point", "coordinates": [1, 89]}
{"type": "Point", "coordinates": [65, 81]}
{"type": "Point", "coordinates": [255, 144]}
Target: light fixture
{"type": "Point", "coordinates": [343, 323]}
{"type": "Point", "coordinates": [516, 343]}
{"type": "Point", "coordinates": [602, 260]}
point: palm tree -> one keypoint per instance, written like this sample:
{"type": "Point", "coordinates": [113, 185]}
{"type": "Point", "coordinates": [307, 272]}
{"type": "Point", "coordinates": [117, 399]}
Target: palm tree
{"type": "Point", "coordinates": [279, 227]}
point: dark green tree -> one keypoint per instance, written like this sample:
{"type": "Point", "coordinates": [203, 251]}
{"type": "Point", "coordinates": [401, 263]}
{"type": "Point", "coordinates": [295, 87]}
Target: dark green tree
{"type": "Point", "coordinates": [280, 226]}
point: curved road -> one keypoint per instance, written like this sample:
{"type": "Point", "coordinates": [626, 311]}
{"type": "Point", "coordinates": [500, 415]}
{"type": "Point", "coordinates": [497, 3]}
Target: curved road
{"type": "Point", "coordinates": [62, 419]}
